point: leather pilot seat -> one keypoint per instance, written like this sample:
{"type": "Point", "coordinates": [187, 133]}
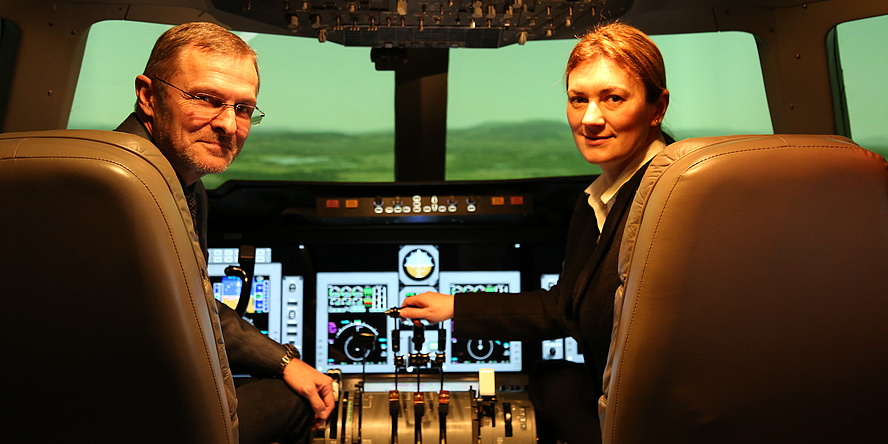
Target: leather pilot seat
{"type": "Point", "coordinates": [108, 333]}
{"type": "Point", "coordinates": [754, 305]}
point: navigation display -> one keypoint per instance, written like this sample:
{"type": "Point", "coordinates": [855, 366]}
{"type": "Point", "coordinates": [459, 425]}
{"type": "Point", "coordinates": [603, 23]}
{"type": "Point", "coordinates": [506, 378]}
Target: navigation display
{"type": "Point", "coordinates": [469, 354]}
{"type": "Point", "coordinates": [353, 332]}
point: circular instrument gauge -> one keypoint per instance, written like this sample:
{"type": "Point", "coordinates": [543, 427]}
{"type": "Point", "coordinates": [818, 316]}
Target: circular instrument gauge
{"type": "Point", "coordinates": [358, 340]}
{"type": "Point", "coordinates": [479, 350]}
{"type": "Point", "coordinates": [418, 264]}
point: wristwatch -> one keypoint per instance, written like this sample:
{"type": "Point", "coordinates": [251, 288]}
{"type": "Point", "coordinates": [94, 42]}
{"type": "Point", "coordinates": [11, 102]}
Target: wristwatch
{"type": "Point", "coordinates": [292, 353]}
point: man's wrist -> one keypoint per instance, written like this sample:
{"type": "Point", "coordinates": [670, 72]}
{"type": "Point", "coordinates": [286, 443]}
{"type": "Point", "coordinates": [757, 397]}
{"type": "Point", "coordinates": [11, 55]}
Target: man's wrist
{"type": "Point", "coordinates": [291, 354]}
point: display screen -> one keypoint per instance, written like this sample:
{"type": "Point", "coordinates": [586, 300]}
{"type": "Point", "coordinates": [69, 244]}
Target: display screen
{"type": "Point", "coordinates": [353, 331]}
{"type": "Point", "coordinates": [264, 308]}
{"type": "Point", "coordinates": [228, 290]}
{"type": "Point", "coordinates": [469, 354]}
{"type": "Point", "coordinates": [564, 348]}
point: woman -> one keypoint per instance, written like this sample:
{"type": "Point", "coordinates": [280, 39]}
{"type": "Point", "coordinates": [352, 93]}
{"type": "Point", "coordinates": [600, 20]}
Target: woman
{"type": "Point", "coordinates": [616, 100]}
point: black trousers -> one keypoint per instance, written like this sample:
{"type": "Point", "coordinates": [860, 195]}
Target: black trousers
{"type": "Point", "coordinates": [269, 411]}
{"type": "Point", "coordinates": [566, 403]}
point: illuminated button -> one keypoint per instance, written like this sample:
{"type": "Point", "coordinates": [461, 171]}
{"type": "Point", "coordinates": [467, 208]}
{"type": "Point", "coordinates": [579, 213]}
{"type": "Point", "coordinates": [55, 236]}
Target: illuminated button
{"type": "Point", "coordinates": [470, 204]}
{"type": "Point", "coordinates": [497, 200]}
{"type": "Point", "coordinates": [378, 210]}
{"type": "Point", "coordinates": [351, 203]}
{"type": "Point", "coordinates": [332, 203]}
{"type": "Point", "coordinates": [516, 200]}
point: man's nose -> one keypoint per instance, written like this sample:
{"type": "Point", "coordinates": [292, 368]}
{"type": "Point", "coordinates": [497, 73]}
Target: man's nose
{"type": "Point", "coordinates": [226, 120]}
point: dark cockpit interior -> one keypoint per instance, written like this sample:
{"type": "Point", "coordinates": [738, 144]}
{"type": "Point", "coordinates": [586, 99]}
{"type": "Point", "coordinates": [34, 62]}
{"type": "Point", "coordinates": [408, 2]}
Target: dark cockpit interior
{"type": "Point", "coordinates": [415, 146]}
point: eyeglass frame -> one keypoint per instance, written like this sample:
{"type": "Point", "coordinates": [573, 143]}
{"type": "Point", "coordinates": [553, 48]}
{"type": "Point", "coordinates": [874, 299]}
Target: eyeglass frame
{"type": "Point", "coordinates": [254, 119]}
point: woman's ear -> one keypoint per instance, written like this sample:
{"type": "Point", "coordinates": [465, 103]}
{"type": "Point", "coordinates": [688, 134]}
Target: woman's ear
{"type": "Point", "coordinates": [660, 108]}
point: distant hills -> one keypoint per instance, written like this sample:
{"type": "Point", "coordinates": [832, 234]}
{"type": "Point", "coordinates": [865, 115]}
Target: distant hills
{"type": "Point", "coordinates": [498, 150]}
{"type": "Point", "coordinates": [483, 152]}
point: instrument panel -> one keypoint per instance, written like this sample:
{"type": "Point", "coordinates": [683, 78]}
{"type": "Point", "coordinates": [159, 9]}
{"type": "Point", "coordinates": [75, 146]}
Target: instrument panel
{"type": "Point", "coordinates": [348, 253]}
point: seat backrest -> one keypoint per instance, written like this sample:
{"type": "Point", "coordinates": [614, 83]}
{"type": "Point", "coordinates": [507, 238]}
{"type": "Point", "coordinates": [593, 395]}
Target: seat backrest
{"type": "Point", "coordinates": [108, 334]}
{"type": "Point", "coordinates": [754, 305]}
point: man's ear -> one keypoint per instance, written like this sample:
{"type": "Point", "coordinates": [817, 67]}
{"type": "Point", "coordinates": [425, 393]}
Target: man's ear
{"type": "Point", "coordinates": [146, 101]}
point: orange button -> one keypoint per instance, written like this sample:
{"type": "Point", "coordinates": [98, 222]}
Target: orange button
{"type": "Point", "coordinates": [497, 200]}
{"type": "Point", "coordinates": [351, 203]}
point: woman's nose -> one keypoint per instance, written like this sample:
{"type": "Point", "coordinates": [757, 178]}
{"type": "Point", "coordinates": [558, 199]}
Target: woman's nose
{"type": "Point", "coordinates": [593, 115]}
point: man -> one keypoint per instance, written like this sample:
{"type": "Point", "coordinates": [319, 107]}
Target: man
{"type": "Point", "coordinates": [196, 101]}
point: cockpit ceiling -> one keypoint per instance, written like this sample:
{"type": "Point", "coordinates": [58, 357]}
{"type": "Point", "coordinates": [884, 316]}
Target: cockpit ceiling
{"type": "Point", "coordinates": [476, 23]}
{"type": "Point", "coordinates": [429, 24]}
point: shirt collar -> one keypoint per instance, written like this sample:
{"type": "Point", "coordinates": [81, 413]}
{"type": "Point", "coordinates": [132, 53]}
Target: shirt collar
{"type": "Point", "coordinates": [601, 192]}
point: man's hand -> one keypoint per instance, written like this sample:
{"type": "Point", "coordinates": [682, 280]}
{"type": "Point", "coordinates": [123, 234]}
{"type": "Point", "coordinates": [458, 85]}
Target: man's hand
{"type": "Point", "coordinates": [314, 386]}
{"type": "Point", "coordinates": [433, 307]}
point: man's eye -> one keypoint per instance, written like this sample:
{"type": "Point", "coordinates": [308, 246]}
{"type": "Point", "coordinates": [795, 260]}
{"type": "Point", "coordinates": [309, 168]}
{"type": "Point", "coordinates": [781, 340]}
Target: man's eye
{"type": "Point", "coordinates": [210, 100]}
{"type": "Point", "coordinates": [613, 98]}
{"type": "Point", "coordinates": [246, 110]}
{"type": "Point", "coordinates": [577, 99]}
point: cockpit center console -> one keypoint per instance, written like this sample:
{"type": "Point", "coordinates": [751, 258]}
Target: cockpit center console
{"type": "Point", "coordinates": [394, 380]}
{"type": "Point", "coordinates": [333, 260]}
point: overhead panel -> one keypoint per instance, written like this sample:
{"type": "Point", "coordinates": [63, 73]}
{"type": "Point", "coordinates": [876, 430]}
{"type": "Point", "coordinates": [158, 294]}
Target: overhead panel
{"type": "Point", "coordinates": [429, 24]}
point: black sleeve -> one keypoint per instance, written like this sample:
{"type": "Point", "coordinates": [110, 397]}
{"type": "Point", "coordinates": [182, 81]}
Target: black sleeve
{"type": "Point", "coordinates": [249, 351]}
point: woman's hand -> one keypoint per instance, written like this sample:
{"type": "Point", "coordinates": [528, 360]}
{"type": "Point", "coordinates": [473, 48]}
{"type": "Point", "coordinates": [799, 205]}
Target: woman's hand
{"type": "Point", "coordinates": [430, 306]}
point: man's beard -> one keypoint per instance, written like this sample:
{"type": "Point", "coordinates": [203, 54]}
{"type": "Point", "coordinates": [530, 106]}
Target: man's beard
{"type": "Point", "coordinates": [185, 157]}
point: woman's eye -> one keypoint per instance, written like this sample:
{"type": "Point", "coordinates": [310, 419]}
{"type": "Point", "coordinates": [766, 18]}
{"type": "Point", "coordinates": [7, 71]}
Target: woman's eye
{"type": "Point", "coordinates": [613, 98]}
{"type": "Point", "coordinates": [577, 100]}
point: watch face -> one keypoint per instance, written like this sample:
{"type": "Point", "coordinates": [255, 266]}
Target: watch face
{"type": "Point", "coordinates": [418, 264]}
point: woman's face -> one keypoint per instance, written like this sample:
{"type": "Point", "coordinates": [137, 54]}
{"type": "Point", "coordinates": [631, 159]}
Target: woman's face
{"type": "Point", "coordinates": [607, 111]}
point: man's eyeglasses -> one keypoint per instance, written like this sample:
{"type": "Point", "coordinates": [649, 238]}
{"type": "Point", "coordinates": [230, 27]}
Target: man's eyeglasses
{"type": "Point", "coordinates": [208, 106]}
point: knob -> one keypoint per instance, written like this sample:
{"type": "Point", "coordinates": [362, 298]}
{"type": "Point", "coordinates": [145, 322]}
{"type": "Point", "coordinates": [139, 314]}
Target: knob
{"type": "Point", "coordinates": [522, 37]}
{"type": "Point", "coordinates": [476, 9]}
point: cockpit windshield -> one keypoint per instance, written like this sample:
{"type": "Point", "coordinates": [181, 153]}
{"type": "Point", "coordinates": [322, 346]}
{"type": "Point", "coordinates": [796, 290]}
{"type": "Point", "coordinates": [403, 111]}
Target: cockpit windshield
{"type": "Point", "coordinates": [330, 113]}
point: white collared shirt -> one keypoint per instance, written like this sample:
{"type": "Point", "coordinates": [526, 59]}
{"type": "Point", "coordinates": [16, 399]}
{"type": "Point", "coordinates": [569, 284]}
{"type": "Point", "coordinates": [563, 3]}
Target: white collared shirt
{"type": "Point", "coordinates": [602, 192]}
